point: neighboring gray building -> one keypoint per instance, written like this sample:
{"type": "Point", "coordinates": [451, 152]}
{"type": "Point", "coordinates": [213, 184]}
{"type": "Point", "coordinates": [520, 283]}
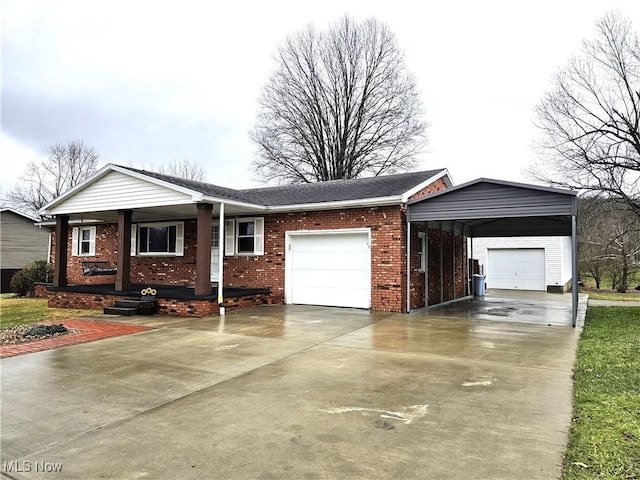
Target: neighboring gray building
{"type": "Point", "coordinates": [21, 242]}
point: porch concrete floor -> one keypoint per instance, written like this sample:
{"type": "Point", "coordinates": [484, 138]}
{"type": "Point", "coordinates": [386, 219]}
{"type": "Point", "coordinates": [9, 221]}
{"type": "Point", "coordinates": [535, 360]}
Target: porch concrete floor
{"type": "Point", "coordinates": [296, 392]}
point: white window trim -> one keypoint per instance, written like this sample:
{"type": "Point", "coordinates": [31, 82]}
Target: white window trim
{"type": "Point", "coordinates": [422, 239]}
{"type": "Point", "coordinates": [231, 236]}
{"type": "Point", "coordinates": [179, 239]}
{"type": "Point", "coordinates": [76, 241]}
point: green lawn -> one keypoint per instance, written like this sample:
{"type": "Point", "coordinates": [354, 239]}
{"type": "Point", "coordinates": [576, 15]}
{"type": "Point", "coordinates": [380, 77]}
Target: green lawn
{"type": "Point", "coordinates": [604, 441]}
{"type": "Point", "coordinates": [18, 311]}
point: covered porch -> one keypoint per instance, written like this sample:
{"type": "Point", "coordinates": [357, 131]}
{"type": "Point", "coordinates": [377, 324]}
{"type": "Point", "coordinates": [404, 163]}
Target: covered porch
{"type": "Point", "coordinates": [149, 233]}
{"type": "Point", "coordinates": [170, 299]}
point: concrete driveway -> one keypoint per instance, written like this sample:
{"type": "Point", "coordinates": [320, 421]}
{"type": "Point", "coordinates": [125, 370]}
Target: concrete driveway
{"type": "Point", "coordinates": [295, 392]}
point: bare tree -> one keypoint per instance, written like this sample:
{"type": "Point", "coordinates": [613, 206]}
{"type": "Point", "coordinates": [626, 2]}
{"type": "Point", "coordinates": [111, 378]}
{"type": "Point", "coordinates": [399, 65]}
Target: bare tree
{"type": "Point", "coordinates": [591, 118]}
{"type": "Point", "coordinates": [64, 168]}
{"type": "Point", "coordinates": [184, 168]}
{"type": "Point", "coordinates": [609, 241]}
{"type": "Point", "coordinates": [341, 104]}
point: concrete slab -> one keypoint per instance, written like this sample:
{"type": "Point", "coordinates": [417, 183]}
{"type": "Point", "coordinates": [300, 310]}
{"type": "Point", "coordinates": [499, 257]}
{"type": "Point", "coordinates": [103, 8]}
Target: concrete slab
{"type": "Point", "coordinates": [296, 392]}
{"type": "Point", "coordinates": [521, 306]}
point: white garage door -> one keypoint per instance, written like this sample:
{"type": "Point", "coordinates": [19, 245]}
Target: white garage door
{"type": "Point", "coordinates": [332, 269]}
{"type": "Point", "coordinates": [516, 268]}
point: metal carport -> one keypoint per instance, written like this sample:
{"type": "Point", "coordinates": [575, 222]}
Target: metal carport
{"type": "Point", "coordinates": [496, 208]}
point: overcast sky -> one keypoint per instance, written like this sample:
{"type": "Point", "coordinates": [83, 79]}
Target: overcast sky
{"type": "Point", "coordinates": [146, 82]}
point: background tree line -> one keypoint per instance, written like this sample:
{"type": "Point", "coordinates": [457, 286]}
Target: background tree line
{"type": "Point", "coordinates": [608, 242]}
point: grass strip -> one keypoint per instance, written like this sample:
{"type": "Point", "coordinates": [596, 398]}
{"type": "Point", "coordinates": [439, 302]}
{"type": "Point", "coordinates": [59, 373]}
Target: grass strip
{"type": "Point", "coordinates": [604, 440]}
{"type": "Point", "coordinates": [19, 311]}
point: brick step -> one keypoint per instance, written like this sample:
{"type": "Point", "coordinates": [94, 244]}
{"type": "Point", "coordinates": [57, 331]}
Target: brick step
{"type": "Point", "coordinates": [126, 303]}
{"type": "Point", "coordinates": [126, 311]}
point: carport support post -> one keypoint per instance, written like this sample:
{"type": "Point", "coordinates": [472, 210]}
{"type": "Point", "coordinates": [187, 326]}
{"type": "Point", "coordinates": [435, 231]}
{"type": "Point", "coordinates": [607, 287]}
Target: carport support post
{"type": "Point", "coordinates": [62, 241]}
{"type": "Point", "coordinates": [574, 273]}
{"type": "Point", "coordinates": [203, 250]}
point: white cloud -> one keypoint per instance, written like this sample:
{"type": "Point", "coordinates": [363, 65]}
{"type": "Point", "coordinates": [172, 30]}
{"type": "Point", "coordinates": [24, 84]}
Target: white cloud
{"type": "Point", "coordinates": [15, 158]}
{"type": "Point", "coordinates": [145, 82]}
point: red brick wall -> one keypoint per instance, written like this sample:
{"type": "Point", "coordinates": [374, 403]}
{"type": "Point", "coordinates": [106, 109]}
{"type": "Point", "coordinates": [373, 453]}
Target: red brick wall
{"type": "Point", "coordinates": [436, 186]}
{"type": "Point", "coordinates": [169, 270]}
{"type": "Point", "coordinates": [444, 244]}
{"type": "Point", "coordinates": [417, 277]}
{"type": "Point", "coordinates": [388, 259]}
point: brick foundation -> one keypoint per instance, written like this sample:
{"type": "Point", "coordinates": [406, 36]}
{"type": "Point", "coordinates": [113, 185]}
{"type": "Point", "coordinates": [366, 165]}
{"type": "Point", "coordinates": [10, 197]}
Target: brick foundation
{"type": "Point", "coordinates": [166, 306]}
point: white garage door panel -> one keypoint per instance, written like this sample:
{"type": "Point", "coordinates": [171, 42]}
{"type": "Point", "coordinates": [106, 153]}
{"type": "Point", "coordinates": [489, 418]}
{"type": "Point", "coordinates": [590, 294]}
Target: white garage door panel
{"type": "Point", "coordinates": [331, 260]}
{"type": "Point", "coordinates": [330, 269]}
{"type": "Point", "coordinates": [522, 269]}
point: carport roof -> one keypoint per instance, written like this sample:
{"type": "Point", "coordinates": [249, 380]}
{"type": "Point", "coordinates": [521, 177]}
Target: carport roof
{"type": "Point", "coordinates": [495, 208]}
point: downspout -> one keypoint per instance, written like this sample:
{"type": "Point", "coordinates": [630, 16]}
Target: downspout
{"type": "Point", "coordinates": [574, 272]}
{"type": "Point", "coordinates": [408, 263]}
{"type": "Point", "coordinates": [221, 247]}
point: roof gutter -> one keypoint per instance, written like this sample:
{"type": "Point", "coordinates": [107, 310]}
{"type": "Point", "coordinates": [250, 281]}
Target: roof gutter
{"type": "Point", "coordinates": [368, 202]}
{"type": "Point", "coordinates": [236, 203]}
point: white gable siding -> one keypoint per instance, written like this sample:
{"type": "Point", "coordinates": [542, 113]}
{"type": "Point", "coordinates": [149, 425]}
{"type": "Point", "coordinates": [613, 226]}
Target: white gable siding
{"type": "Point", "coordinates": [557, 254]}
{"type": "Point", "coordinates": [566, 261]}
{"type": "Point", "coordinates": [119, 191]}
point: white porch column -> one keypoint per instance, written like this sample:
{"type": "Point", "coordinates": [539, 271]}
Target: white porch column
{"type": "Point", "coordinates": [221, 260]}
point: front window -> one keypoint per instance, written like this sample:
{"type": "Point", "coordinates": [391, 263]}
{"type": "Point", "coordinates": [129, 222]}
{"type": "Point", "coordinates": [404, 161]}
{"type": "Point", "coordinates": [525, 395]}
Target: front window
{"type": "Point", "coordinates": [157, 238]}
{"type": "Point", "coordinates": [85, 241]}
{"type": "Point", "coordinates": [246, 236]}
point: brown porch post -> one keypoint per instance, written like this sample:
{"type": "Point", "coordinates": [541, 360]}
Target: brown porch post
{"type": "Point", "coordinates": [62, 242]}
{"type": "Point", "coordinates": [203, 250]}
{"type": "Point", "coordinates": [123, 275]}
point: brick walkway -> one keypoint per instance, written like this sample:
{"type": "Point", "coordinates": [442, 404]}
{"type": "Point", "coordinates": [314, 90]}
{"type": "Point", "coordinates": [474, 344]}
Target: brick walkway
{"type": "Point", "coordinates": [90, 330]}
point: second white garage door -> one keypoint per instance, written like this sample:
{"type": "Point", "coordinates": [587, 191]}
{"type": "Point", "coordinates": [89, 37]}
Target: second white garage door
{"type": "Point", "coordinates": [516, 268]}
{"type": "Point", "coordinates": [332, 269]}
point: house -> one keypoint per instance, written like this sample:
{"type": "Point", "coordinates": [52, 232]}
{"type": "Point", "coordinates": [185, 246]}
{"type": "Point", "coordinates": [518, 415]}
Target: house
{"type": "Point", "coordinates": [21, 242]}
{"type": "Point", "coordinates": [337, 243]}
{"type": "Point", "coordinates": [391, 243]}
{"type": "Point", "coordinates": [525, 263]}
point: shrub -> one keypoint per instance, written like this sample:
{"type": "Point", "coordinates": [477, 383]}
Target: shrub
{"type": "Point", "coordinates": [23, 282]}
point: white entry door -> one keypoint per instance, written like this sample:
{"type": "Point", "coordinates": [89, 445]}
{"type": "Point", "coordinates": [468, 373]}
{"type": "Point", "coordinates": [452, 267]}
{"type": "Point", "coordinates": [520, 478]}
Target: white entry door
{"type": "Point", "coordinates": [215, 251]}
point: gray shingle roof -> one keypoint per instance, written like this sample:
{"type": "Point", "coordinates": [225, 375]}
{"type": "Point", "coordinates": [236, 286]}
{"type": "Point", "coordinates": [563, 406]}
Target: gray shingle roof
{"type": "Point", "coordinates": [302, 193]}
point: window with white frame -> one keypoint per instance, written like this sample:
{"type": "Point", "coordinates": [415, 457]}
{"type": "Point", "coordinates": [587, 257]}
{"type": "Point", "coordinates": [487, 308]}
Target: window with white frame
{"type": "Point", "coordinates": [160, 238]}
{"type": "Point", "coordinates": [422, 252]}
{"type": "Point", "coordinates": [83, 241]}
{"type": "Point", "coordinates": [244, 236]}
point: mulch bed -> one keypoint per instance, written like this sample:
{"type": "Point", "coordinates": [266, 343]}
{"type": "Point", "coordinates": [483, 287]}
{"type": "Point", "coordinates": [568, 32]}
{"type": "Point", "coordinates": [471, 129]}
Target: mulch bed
{"type": "Point", "coordinates": [32, 332]}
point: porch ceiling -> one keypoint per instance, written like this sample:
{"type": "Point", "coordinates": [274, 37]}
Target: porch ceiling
{"type": "Point", "coordinates": [161, 213]}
